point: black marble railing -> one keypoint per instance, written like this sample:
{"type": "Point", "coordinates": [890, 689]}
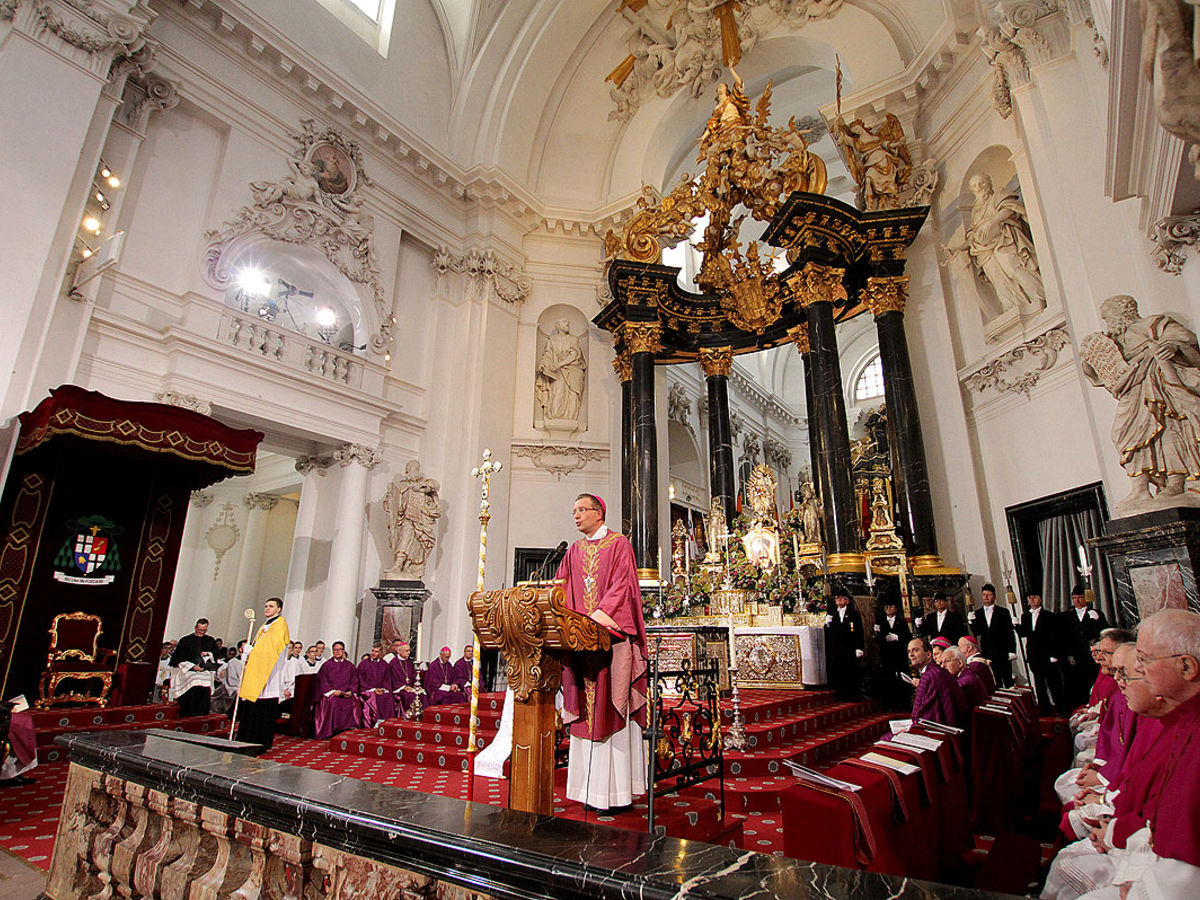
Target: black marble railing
{"type": "Point", "coordinates": [159, 787]}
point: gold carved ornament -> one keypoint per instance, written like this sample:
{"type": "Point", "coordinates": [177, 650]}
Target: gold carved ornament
{"type": "Point", "coordinates": [716, 360]}
{"type": "Point", "coordinates": [642, 337]}
{"type": "Point", "coordinates": [623, 366]}
{"type": "Point", "coordinates": [747, 164]}
{"type": "Point", "coordinates": [526, 620]}
{"type": "Point", "coordinates": [886, 294]}
{"type": "Point", "coordinates": [799, 336]}
{"type": "Point", "coordinates": [816, 283]}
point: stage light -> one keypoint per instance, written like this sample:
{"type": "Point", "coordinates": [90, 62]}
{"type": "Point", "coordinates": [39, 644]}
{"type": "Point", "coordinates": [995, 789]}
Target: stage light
{"type": "Point", "coordinates": [105, 171]}
{"type": "Point", "coordinates": [253, 282]}
{"type": "Point", "coordinates": [113, 181]}
{"type": "Point", "coordinates": [87, 251]}
{"type": "Point", "coordinates": [99, 196]}
{"type": "Point", "coordinates": [326, 317]}
{"type": "Point", "coordinates": [92, 224]}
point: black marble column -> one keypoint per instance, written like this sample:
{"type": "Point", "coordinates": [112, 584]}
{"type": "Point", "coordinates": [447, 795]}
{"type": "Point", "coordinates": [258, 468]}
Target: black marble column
{"type": "Point", "coordinates": [642, 338]}
{"type": "Point", "coordinates": [716, 362]}
{"type": "Point", "coordinates": [819, 286]}
{"type": "Point", "coordinates": [799, 334]}
{"type": "Point", "coordinates": [886, 296]}
{"type": "Point", "coordinates": [624, 369]}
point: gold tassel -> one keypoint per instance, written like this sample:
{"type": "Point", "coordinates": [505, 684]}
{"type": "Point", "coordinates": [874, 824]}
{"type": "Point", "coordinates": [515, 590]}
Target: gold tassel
{"type": "Point", "coordinates": [618, 75]}
{"type": "Point", "coordinates": [731, 42]}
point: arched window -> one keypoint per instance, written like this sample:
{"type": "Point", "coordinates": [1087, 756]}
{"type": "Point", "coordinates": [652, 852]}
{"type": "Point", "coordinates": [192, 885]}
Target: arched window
{"type": "Point", "coordinates": [870, 381]}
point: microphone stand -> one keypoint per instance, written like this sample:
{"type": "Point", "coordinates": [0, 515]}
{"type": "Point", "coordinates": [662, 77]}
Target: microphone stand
{"type": "Point", "coordinates": [539, 572]}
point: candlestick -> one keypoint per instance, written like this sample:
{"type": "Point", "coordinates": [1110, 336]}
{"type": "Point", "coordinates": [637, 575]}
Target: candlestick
{"type": "Point", "coordinates": [732, 645]}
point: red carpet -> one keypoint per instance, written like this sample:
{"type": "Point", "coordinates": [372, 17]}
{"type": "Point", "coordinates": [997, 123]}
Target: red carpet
{"type": "Point", "coordinates": [430, 756]}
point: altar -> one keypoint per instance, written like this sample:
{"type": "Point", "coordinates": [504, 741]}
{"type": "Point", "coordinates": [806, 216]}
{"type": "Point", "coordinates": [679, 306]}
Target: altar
{"type": "Point", "coordinates": [774, 657]}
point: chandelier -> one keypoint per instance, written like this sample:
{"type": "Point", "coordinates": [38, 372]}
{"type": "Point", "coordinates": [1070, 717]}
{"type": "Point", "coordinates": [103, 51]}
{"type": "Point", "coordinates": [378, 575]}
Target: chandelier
{"type": "Point", "coordinates": [749, 169]}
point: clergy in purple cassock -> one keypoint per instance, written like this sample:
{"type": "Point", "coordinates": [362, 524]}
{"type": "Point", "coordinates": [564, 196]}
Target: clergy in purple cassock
{"type": "Point", "coordinates": [375, 687]}
{"type": "Point", "coordinates": [604, 694]}
{"type": "Point", "coordinates": [441, 687]}
{"type": "Point", "coordinates": [938, 698]}
{"type": "Point", "coordinates": [973, 689]}
{"type": "Point", "coordinates": [462, 669]}
{"type": "Point", "coordinates": [338, 704]}
{"type": "Point", "coordinates": [404, 676]}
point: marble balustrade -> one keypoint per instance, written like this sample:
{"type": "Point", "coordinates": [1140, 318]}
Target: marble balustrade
{"type": "Point", "coordinates": [149, 815]}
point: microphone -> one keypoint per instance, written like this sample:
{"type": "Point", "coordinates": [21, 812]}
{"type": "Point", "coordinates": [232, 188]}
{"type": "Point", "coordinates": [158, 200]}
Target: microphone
{"type": "Point", "coordinates": [538, 572]}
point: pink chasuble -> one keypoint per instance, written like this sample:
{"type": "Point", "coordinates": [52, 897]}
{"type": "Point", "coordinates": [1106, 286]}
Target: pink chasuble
{"type": "Point", "coordinates": [601, 691]}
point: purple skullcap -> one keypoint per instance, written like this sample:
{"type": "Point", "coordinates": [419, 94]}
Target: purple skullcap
{"type": "Point", "coordinates": [940, 642]}
{"type": "Point", "coordinates": [445, 649]}
{"type": "Point", "coordinates": [603, 508]}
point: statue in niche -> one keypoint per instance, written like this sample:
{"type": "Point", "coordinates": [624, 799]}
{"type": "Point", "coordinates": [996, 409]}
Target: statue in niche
{"type": "Point", "coordinates": [412, 506]}
{"type": "Point", "coordinates": [558, 386]}
{"type": "Point", "coordinates": [810, 514]}
{"type": "Point", "coordinates": [999, 246]}
{"type": "Point", "coordinates": [879, 159]}
{"type": "Point", "coordinates": [1152, 366]}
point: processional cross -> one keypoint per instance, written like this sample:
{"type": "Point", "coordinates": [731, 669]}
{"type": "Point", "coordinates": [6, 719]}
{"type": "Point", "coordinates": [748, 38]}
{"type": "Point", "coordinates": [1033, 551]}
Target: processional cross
{"type": "Point", "coordinates": [485, 471]}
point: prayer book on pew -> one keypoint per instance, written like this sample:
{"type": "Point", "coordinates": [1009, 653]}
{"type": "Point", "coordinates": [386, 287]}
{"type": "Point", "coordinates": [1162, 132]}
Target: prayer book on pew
{"type": "Point", "coordinates": [919, 741]}
{"type": "Point", "coordinates": [806, 774]}
{"type": "Point", "coordinates": [902, 767]}
{"type": "Point", "coordinates": [938, 726]}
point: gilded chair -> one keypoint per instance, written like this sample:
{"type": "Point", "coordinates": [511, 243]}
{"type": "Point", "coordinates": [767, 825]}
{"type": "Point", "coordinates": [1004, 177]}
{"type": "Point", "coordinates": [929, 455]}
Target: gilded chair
{"type": "Point", "coordinates": [75, 656]}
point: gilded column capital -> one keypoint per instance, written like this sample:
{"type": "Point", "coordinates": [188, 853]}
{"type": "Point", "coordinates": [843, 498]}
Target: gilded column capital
{"type": "Point", "coordinates": [623, 366]}
{"type": "Point", "coordinates": [816, 283]}
{"type": "Point", "coordinates": [799, 336]}
{"type": "Point", "coordinates": [643, 337]}
{"type": "Point", "coordinates": [716, 360]}
{"type": "Point", "coordinates": [886, 294]}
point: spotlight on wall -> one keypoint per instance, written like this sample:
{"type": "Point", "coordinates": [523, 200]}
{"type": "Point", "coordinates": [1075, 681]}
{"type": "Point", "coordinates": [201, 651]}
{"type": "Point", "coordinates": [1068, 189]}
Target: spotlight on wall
{"type": "Point", "coordinates": [253, 282]}
{"type": "Point", "coordinates": [92, 224]}
{"type": "Point", "coordinates": [326, 317]}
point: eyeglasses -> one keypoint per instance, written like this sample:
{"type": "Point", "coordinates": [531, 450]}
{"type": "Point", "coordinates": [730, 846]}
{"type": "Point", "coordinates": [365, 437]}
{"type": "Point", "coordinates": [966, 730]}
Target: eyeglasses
{"type": "Point", "coordinates": [582, 509]}
{"type": "Point", "coordinates": [1142, 659]}
{"type": "Point", "coordinates": [1122, 675]}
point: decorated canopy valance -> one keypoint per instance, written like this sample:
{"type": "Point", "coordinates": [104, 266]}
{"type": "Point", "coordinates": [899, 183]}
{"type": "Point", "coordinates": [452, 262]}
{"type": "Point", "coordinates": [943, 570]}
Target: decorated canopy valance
{"type": "Point", "coordinates": [154, 427]}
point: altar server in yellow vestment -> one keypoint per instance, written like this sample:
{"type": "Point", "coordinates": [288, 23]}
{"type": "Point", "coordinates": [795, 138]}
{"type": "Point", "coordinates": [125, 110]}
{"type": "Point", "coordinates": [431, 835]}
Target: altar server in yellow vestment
{"type": "Point", "coordinates": [262, 680]}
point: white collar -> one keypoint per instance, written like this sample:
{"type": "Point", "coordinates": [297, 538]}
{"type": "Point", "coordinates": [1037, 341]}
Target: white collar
{"type": "Point", "coordinates": [600, 532]}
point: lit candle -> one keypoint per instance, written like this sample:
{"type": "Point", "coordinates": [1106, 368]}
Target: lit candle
{"type": "Point", "coordinates": [732, 645]}
{"type": "Point", "coordinates": [1083, 563]}
{"type": "Point", "coordinates": [660, 568]}
{"type": "Point", "coordinates": [420, 634]}
{"type": "Point", "coordinates": [870, 577]}
{"type": "Point", "coordinates": [796, 551]}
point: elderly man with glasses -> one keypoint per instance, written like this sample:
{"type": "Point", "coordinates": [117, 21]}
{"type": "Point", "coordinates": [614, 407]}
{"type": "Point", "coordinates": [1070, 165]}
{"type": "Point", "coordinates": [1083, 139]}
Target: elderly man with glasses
{"type": "Point", "coordinates": [604, 694]}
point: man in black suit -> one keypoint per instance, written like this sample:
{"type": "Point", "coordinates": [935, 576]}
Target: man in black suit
{"type": "Point", "coordinates": [892, 634]}
{"type": "Point", "coordinates": [844, 645]}
{"type": "Point", "coordinates": [1081, 625]}
{"type": "Point", "coordinates": [1043, 651]}
{"type": "Point", "coordinates": [942, 622]}
{"type": "Point", "coordinates": [994, 629]}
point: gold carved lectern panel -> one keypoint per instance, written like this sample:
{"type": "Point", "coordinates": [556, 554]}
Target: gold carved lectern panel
{"type": "Point", "coordinates": [533, 627]}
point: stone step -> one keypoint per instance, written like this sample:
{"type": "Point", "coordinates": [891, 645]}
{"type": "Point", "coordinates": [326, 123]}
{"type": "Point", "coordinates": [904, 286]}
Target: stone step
{"type": "Point", "coordinates": [215, 723]}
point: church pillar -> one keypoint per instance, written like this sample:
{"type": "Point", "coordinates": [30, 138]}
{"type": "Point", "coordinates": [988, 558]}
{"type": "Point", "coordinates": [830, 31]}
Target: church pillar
{"type": "Point", "coordinates": [717, 363]}
{"type": "Point", "coordinates": [623, 366]}
{"type": "Point", "coordinates": [799, 335]}
{"type": "Point", "coordinates": [342, 589]}
{"type": "Point", "coordinates": [642, 339]}
{"type": "Point", "coordinates": [245, 590]}
{"type": "Point", "coordinates": [817, 287]}
{"type": "Point", "coordinates": [885, 297]}
{"type": "Point", "coordinates": [56, 94]}
{"type": "Point", "coordinates": [313, 470]}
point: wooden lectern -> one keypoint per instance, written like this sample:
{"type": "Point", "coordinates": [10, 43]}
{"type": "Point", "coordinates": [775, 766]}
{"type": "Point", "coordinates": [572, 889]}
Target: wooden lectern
{"type": "Point", "coordinates": [534, 628]}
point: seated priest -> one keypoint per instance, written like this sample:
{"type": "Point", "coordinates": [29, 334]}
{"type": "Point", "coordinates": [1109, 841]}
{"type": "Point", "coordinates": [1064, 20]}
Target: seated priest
{"type": "Point", "coordinates": [404, 676]}
{"type": "Point", "coordinates": [1103, 737]}
{"type": "Point", "coordinates": [441, 687]}
{"type": "Point", "coordinates": [463, 669]}
{"type": "Point", "coordinates": [338, 704]}
{"type": "Point", "coordinates": [974, 691]}
{"type": "Point", "coordinates": [375, 687]}
{"type": "Point", "coordinates": [193, 663]}
{"type": "Point", "coordinates": [969, 648]}
{"type": "Point", "coordinates": [1085, 723]}
{"type": "Point", "coordinates": [22, 746]}
{"type": "Point", "coordinates": [939, 698]}
{"type": "Point", "coordinates": [1150, 848]}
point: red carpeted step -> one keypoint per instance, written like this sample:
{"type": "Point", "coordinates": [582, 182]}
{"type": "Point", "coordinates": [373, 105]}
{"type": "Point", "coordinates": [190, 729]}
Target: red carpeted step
{"type": "Point", "coordinates": [836, 740]}
{"type": "Point", "coordinates": [447, 735]}
{"type": "Point", "coordinates": [82, 718]}
{"type": "Point", "coordinates": [765, 706]}
{"type": "Point", "coordinates": [752, 795]}
{"type": "Point", "coordinates": [460, 714]}
{"type": "Point", "coordinates": [369, 744]}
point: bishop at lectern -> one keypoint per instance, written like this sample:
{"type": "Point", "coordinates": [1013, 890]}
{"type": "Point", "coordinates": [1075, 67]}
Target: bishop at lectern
{"type": "Point", "coordinates": [604, 694]}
